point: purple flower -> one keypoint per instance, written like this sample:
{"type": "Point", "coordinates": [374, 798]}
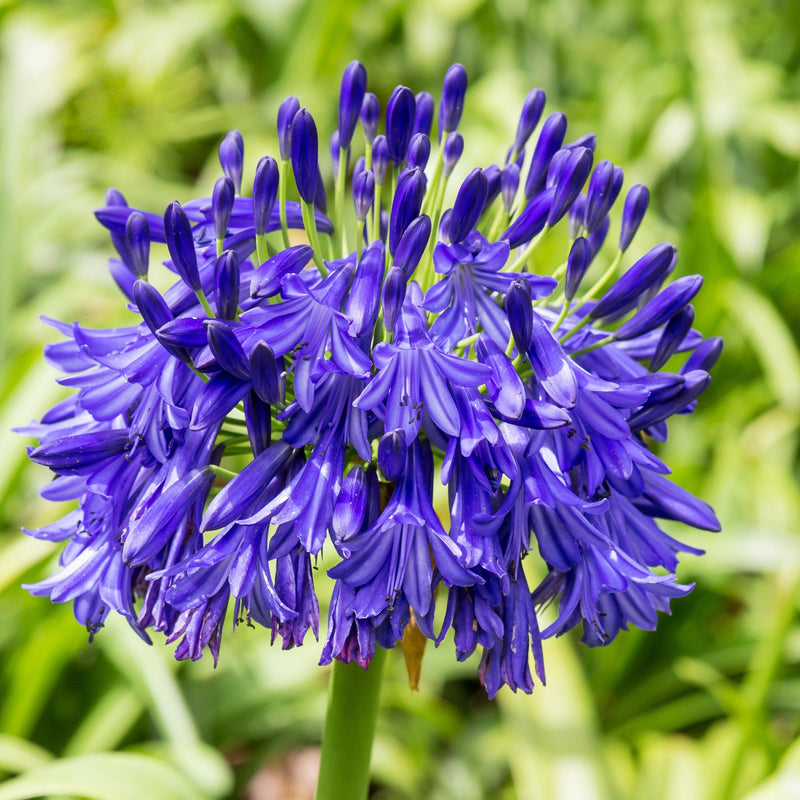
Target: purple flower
{"type": "Point", "coordinates": [255, 411]}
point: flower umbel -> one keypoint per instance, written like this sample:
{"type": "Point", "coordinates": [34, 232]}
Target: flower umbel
{"type": "Point", "coordinates": [277, 399]}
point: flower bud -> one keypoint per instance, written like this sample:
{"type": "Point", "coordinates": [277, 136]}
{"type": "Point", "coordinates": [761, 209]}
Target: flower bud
{"type": "Point", "coordinates": [364, 297]}
{"type": "Point", "coordinates": [469, 205]}
{"type": "Point", "coordinates": [529, 118]}
{"type": "Point", "coordinates": [227, 285]}
{"type": "Point", "coordinates": [258, 420]}
{"type": "Point", "coordinates": [633, 212]}
{"type": "Point", "coordinates": [406, 204]}
{"type": "Point", "coordinates": [363, 193]}
{"type": "Point", "coordinates": [453, 148]}
{"type": "Point", "coordinates": [380, 158]}
{"type": "Point", "coordinates": [598, 237]}
{"type": "Point", "coordinates": [320, 198]}
{"type": "Point", "coordinates": [286, 114]}
{"type": "Point", "coordinates": [604, 186]}
{"type": "Point", "coordinates": [392, 454]}
{"type": "Point", "coordinates": [351, 505]}
{"type": "Point", "coordinates": [394, 292]}
{"type": "Point", "coordinates": [588, 140]}
{"type": "Point", "coordinates": [531, 219]}
{"type": "Point", "coordinates": [453, 91]}
{"type": "Point", "coordinates": [509, 183]}
{"type": "Point", "coordinates": [556, 167]}
{"type": "Point", "coordinates": [505, 387]}
{"type": "Point", "coordinates": [222, 205]}
{"type": "Point", "coordinates": [180, 244]}
{"type": "Point", "coordinates": [623, 295]}
{"type": "Point", "coordinates": [695, 383]}
{"type": "Point", "coordinates": [675, 332]}
{"type": "Point", "coordinates": [361, 165]}
{"type": "Point", "coordinates": [266, 280]}
{"type": "Point", "coordinates": [577, 264]}
{"type": "Point", "coordinates": [335, 149]}
{"type": "Point", "coordinates": [519, 309]}
{"type": "Point", "coordinates": [231, 157]}
{"type": "Point", "coordinates": [548, 143]}
{"type": "Point", "coordinates": [444, 225]}
{"type": "Point", "coordinates": [412, 245]}
{"type": "Point", "coordinates": [265, 192]}
{"type": "Point", "coordinates": [370, 114]}
{"type": "Point", "coordinates": [705, 355]}
{"type": "Point", "coordinates": [137, 239]}
{"type": "Point", "coordinates": [423, 115]}
{"type": "Point", "coordinates": [114, 197]}
{"type": "Point", "coordinates": [576, 215]}
{"type": "Point", "coordinates": [351, 99]}
{"type": "Point", "coordinates": [570, 182]}
{"type": "Point", "coordinates": [419, 151]}
{"type": "Point", "coordinates": [493, 174]}
{"type": "Point", "coordinates": [399, 122]}
{"type": "Point", "coordinates": [663, 307]}
{"type": "Point", "coordinates": [305, 153]}
{"type": "Point", "coordinates": [266, 374]}
{"type": "Point", "coordinates": [226, 349]}
{"type": "Point", "coordinates": [152, 306]}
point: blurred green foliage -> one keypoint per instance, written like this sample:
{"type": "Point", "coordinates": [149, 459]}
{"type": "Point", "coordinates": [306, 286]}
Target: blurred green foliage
{"type": "Point", "coordinates": [698, 98]}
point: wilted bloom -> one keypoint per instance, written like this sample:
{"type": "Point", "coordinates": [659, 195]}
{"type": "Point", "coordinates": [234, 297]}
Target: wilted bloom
{"type": "Point", "coordinates": [279, 400]}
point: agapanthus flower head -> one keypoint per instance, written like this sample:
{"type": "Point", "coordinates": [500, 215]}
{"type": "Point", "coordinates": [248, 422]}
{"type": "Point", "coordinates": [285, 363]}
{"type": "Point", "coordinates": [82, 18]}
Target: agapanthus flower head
{"type": "Point", "coordinates": [281, 401]}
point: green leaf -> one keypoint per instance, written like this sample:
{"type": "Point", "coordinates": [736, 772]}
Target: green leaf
{"type": "Point", "coordinates": [108, 776]}
{"type": "Point", "coordinates": [18, 755]}
{"type": "Point", "coordinates": [770, 338]}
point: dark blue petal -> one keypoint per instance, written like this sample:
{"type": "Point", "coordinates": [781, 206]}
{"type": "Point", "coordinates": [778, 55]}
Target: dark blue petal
{"type": "Point", "coordinates": [265, 192]}
{"type": "Point", "coordinates": [644, 273]}
{"type": "Point", "coordinates": [453, 91]}
{"type": "Point", "coordinates": [549, 141]}
{"type": "Point", "coordinates": [551, 364]}
{"type": "Point", "coordinates": [222, 205]}
{"type": "Point", "coordinates": [529, 118]}
{"type": "Point", "coordinates": [227, 350]}
{"type": "Point", "coordinates": [370, 114]}
{"type": "Point", "coordinates": [234, 498]}
{"type": "Point", "coordinates": [469, 204]}
{"type": "Point", "coordinates": [351, 98]}
{"type": "Point", "coordinates": [632, 214]}
{"type": "Point", "coordinates": [399, 122]}
{"type": "Point", "coordinates": [231, 157]}
{"type": "Point", "coordinates": [286, 114]}
{"type": "Point", "coordinates": [305, 151]}
{"type": "Point", "coordinates": [137, 237]}
{"type": "Point", "coordinates": [181, 244]}
{"type": "Point", "coordinates": [531, 219]}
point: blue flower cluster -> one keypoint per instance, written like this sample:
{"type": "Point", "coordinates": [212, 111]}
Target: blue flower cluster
{"type": "Point", "coordinates": [303, 384]}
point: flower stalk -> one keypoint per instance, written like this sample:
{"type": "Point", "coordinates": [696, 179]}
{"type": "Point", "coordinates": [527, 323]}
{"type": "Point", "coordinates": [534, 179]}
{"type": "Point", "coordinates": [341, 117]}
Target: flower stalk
{"type": "Point", "coordinates": [353, 702]}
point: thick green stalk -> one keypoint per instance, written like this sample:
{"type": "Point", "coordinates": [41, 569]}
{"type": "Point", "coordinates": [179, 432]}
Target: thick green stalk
{"type": "Point", "coordinates": [349, 730]}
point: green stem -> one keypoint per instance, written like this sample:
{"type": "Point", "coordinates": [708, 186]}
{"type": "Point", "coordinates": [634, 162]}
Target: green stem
{"type": "Point", "coordinates": [349, 730]}
{"type": "Point", "coordinates": [522, 259]}
{"type": "Point", "coordinates": [376, 212]}
{"type": "Point", "coordinates": [201, 296]}
{"type": "Point", "coordinates": [261, 248]}
{"type": "Point", "coordinates": [340, 181]}
{"type": "Point", "coordinates": [283, 176]}
{"type": "Point", "coordinates": [310, 222]}
{"type": "Point", "coordinates": [767, 658]}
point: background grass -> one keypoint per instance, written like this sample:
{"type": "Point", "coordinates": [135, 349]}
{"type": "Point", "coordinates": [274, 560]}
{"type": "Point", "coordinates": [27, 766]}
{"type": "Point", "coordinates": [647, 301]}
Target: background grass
{"type": "Point", "coordinates": [700, 99]}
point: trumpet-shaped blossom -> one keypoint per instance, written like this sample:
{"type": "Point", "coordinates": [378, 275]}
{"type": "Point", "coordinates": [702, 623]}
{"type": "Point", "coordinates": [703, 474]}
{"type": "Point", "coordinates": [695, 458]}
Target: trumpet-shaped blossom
{"type": "Point", "coordinates": [280, 402]}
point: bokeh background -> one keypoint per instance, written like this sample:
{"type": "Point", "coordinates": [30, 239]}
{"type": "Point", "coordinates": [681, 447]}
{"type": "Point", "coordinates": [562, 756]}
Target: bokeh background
{"type": "Point", "coordinates": [700, 99]}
